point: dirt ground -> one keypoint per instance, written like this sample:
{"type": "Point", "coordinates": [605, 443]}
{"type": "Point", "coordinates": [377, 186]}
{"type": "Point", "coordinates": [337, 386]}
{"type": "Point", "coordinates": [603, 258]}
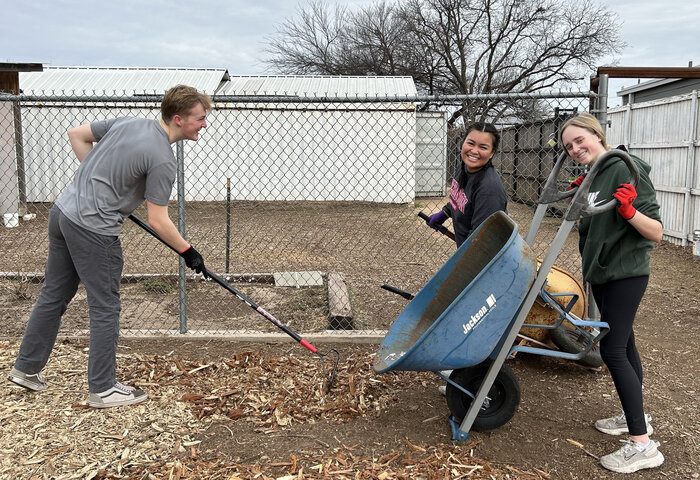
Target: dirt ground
{"type": "Point", "coordinates": [225, 409]}
{"type": "Point", "coordinates": [369, 244]}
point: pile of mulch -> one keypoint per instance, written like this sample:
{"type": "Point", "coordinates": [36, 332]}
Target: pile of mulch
{"type": "Point", "coordinates": [449, 463]}
{"type": "Point", "coordinates": [54, 435]}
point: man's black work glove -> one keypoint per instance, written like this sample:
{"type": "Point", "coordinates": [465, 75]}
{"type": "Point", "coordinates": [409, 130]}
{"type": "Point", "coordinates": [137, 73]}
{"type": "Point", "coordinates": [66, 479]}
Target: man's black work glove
{"type": "Point", "coordinates": [194, 261]}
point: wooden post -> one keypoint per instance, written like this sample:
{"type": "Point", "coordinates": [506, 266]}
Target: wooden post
{"type": "Point", "coordinates": [339, 307]}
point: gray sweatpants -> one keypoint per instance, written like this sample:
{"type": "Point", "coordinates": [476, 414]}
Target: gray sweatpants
{"type": "Point", "coordinates": [77, 255]}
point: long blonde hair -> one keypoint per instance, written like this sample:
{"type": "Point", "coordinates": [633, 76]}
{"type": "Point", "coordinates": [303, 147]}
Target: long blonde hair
{"type": "Point", "coordinates": [587, 121]}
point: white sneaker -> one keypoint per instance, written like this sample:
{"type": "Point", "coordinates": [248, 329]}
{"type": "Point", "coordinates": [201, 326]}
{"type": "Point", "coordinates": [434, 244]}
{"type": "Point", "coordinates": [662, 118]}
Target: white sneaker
{"type": "Point", "coordinates": [34, 382]}
{"type": "Point", "coordinates": [632, 457]}
{"type": "Point", "coordinates": [618, 425]}
{"type": "Point", "coordinates": [117, 396]}
{"type": "Point", "coordinates": [443, 388]}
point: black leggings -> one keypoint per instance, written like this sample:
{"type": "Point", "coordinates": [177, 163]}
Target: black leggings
{"type": "Point", "coordinates": [618, 302]}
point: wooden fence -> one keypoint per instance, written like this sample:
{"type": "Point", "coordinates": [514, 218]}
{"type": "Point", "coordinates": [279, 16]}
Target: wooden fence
{"type": "Point", "coordinates": [665, 134]}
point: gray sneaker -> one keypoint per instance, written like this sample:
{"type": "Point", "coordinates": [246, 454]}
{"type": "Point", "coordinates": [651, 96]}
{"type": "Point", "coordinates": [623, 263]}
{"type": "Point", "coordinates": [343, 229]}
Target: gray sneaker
{"type": "Point", "coordinates": [632, 457]}
{"type": "Point", "coordinates": [618, 425]}
{"type": "Point", "coordinates": [117, 396]}
{"type": "Point", "coordinates": [34, 382]}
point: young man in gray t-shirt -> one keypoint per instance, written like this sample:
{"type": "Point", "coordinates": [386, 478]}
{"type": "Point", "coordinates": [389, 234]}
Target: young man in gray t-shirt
{"type": "Point", "coordinates": [123, 162]}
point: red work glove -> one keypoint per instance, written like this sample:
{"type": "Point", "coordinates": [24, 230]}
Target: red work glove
{"type": "Point", "coordinates": [576, 183]}
{"type": "Point", "coordinates": [625, 196]}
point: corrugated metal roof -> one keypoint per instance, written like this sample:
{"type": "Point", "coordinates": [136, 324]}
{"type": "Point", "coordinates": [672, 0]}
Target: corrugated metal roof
{"type": "Point", "coordinates": [318, 86]}
{"type": "Point", "coordinates": [156, 80]}
{"type": "Point", "coordinates": [119, 80]}
{"type": "Point", "coordinates": [646, 85]}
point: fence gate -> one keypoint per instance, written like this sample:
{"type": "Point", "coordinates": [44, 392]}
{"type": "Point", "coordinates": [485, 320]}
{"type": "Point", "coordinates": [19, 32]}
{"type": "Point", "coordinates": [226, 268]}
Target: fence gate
{"type": "Point", "coordinates": [431, 154]}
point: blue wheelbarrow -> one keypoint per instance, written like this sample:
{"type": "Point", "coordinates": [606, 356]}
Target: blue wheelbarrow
{"type": "Point", "coordinates": [467, 317]}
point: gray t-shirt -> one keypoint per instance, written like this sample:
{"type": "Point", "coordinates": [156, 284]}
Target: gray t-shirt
{"type": "Point", "coordinates": [132, 161]}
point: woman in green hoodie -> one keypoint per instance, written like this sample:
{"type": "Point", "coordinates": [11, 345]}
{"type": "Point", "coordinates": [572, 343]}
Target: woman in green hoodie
{"type": "Point", "coordinates": [614, 248]}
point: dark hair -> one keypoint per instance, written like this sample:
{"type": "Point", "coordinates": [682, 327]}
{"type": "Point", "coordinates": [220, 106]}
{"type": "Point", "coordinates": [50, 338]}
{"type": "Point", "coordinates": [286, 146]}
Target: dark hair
{"type": "Point", "coordinates": [180, 99]}
{"type": "Point", "coordinates": [495, 137]}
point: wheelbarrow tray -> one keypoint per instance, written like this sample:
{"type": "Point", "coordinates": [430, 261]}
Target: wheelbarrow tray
{"type": "Point", "coordinates": [459, 316]}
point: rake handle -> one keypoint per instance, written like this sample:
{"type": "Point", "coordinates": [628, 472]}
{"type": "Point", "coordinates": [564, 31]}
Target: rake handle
{"type": "Point", "coordinates": [232, 289]}
{"type": "Point", "coordinates": [440, 228]}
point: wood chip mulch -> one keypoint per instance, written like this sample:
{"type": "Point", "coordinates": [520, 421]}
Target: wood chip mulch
{"type": "Point", "coordinates": [54, 435]}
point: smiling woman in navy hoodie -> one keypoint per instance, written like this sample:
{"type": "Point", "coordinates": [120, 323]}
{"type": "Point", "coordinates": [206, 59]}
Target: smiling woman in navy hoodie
{"type": "Point", "coordinates": [477, 191]}
{"type": "Point", "coordinates": [614, 248]}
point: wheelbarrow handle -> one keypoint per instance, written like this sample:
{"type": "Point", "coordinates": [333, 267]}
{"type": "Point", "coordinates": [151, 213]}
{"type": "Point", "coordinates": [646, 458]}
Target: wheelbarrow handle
{"type": "Point", "coordinates": [398, 291]}
{"type": "Point", "coordinates": [440, 228]}
{"type": "Point", "coordinates": [579, 207]}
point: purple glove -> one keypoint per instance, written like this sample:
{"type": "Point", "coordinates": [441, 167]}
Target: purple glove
{"type": "Point", "coordinates": [436, 219]}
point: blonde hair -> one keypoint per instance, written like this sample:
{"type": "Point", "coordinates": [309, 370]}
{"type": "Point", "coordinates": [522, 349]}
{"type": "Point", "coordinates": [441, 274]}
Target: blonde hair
{"type": "Point", "coordinates": [180, 99]}
{"type": "Point", "coordinates": [587, 121]}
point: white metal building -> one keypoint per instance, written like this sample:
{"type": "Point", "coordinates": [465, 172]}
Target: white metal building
{"type": "Point", "coordinates": [119, 80]}
{"type": "Point", "coordinates": [351, 150]}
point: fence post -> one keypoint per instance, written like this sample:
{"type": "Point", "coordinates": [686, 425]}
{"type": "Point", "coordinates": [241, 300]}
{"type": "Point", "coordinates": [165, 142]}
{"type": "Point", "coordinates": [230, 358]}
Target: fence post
{"type": "Point", "coordinates": [627, 139]}
{"type": "Point", "coordinates": [601, 113]}
{"type": "Point", "coordinates": [689, 168]}
{"type": "Point", "coordinates": [19, 151]}
{"type": "Point", "coordinates": [228, 223]}
{"type": "Point", "coordinates": [181, 224]}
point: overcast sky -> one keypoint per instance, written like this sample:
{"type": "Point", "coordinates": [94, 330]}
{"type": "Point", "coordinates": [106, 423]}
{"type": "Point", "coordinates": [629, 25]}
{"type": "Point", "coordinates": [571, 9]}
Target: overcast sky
{"type": "Point", "coordinates": [231, 33]}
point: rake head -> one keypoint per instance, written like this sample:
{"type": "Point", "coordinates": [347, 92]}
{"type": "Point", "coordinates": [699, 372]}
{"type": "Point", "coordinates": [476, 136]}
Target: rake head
{"type": "Point", "coordinates": [329, 371]}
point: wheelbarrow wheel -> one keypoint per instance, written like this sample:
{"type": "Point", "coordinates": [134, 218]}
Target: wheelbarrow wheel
{"type": "Point", "coordinates": [571, 340]}
{"type": "Point", "coordinates": [502, 400]}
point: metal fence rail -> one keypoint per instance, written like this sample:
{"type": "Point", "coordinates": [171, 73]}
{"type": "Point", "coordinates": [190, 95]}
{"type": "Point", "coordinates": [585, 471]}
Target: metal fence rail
{"type": "Point", "coordinates": [310, 204]}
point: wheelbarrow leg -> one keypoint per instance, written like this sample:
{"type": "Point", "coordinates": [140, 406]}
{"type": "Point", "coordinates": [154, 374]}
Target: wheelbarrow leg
{"type": "Point", "coordinates": [506, 345]}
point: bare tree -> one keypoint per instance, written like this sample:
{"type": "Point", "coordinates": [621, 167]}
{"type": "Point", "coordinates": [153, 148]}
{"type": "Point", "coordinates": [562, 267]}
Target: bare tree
{"type": "Point", "coordinates": [370, 41]}
{"type": "Point", "coordinates": [503, 46]}
{"type": "Point", "coordinates": [313, 43]}
{"type": "Point", "coordinates": [453, 46]}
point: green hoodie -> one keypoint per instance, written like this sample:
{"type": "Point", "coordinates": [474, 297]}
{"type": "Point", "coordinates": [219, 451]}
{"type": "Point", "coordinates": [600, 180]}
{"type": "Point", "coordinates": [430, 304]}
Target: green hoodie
{"type": "Point", "coordinates": [611, 248]}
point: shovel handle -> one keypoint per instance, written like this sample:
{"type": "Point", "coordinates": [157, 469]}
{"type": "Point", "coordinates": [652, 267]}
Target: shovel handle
{"type": "Point", "coordinates": [579, 207]}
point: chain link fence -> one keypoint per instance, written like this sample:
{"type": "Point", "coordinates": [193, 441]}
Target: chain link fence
{"type": "Point", "coordinates": [306, 205]}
